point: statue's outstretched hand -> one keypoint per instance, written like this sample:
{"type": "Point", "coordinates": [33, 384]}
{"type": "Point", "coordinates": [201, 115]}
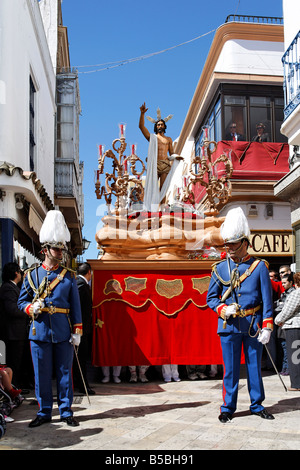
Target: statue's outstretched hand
{"type": "Point", "coordinates": [143, 108]}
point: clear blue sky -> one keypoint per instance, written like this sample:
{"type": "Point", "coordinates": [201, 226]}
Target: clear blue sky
{"type": "Point", "coordinates": [102, 32]}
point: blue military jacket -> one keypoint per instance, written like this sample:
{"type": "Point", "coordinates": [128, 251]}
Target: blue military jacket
{"type": "Point", "coordinates": [61, 314]}
{"type": "Point", "coordinates": [253, 294]}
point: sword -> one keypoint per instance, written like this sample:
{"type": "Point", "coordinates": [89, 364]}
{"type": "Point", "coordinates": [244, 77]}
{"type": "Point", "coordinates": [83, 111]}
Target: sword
{"type": "Point", "coordinates": [272, 362]}
{"type": "Point", "coordinates": [78, 363]}
{"type": "Point", "coordinates": [79, 367]}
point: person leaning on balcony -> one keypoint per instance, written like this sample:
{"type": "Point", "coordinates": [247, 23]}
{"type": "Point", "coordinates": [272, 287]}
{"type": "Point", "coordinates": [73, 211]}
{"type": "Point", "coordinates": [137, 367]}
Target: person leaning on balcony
{"type": "Point", "coordinates": [262, 135]}
{"type": "Point", "coordinates": [289, 320]}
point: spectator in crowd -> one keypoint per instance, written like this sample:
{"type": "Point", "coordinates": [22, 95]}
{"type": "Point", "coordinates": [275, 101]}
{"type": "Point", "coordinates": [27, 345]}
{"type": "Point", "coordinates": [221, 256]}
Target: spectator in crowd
{"type": "Point", "coordinates": [84, 350]}
{"type": "Point", "coordinates": [262, 135]}
{"type": "Point", "coordinates": [274, 275]}
{"type": "Point", "coordinates": [16, 325]}
{"type": "Point", "coordinates": [233, 134]}
{"type": "Point", "coordinates": [289, 320]}
{"type": "Point", "coordinates": [6, 375]}
{"type": "Point", "coordinates": [284, 269]}
{"type": "Point", "coordinates": [277, 287]}
{"type": "Point", "coordinates": [287, 282]}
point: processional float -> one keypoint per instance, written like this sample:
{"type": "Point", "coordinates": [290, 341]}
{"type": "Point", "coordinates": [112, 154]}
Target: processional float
{"type": "Point", "coordinates": [151, 280]}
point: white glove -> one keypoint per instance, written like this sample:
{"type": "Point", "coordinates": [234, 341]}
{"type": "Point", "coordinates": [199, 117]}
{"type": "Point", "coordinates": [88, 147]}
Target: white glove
{"type": "Point", "coordinates": [264, 336]}
{"type": "Point", "coordinates": [230, 310]}
{"type": "Point", "coordinates": [37, 306]}
{"type": "Point", "coordinates": [75, 339]}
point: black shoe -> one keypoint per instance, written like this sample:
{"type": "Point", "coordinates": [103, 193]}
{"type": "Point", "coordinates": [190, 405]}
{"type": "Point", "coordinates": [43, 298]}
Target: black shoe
{"type": "Point", "coordinates": [225, 417]}
{"type": "Point", "coordinates": [38, 421]}
{"type": "Point", "coordinates": [263, 414]}
{"type": "Point", "coordinates": [70, 420]}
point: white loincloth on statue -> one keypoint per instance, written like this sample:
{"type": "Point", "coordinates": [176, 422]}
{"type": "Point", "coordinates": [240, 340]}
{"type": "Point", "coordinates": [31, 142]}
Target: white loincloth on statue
{"type": "Point", "coordinates": [153, 196]}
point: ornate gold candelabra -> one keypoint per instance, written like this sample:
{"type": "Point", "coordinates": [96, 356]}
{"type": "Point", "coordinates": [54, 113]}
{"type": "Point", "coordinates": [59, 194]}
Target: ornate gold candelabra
{"type": "Point", "coordinates": [120, 183]}
{"type": "Point", "coordinates": [204, 171]}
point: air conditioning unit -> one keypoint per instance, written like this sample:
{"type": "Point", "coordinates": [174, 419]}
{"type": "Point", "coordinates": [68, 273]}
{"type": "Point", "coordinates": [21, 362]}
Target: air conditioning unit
{"type": "Point", "coordinates": [252, 210]}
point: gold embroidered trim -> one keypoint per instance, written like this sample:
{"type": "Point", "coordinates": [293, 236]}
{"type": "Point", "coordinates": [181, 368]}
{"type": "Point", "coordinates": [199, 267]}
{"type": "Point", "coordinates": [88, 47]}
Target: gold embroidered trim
{"type": "Point", "coordinates": [99, 323]}
{"type": "Point", "coordinates": [201, 284]}
{"type": "Point", "coordinates": [135, 284]}
{"type": "Point", "coordinates": [149, 300]}
{"type": "Point", "coordinates": [169, 289]}
{"type": "Point", "coordinates": [112, 286]}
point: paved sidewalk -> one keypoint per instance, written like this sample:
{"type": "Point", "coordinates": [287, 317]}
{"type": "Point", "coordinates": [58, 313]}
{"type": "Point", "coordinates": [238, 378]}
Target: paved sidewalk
{"type": "Point", "coordinates": [161, 417]}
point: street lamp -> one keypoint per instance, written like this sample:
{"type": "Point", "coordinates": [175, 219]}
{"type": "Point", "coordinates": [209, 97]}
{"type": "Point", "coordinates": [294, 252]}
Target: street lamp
{"type": "Point", "coordinates": [85, 244]}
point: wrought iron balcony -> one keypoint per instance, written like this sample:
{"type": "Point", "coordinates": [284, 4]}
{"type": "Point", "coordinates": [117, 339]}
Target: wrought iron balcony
{"type": "Point", "coordinates": [254, 19]}
{"type": "Point", "coordinates": [291, 84]}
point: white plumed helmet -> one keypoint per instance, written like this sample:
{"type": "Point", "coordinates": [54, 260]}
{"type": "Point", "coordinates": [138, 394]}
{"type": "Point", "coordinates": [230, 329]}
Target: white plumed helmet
{"type": "Point", "coordinates": [54, 231]}
{"type": "Point", "coordinates": [235, 226]}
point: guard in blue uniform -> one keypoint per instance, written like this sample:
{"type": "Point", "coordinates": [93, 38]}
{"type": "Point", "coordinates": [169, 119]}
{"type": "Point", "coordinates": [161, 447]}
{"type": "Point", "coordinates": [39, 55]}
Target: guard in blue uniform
{"type": "Point", "coordinates": [49, 295]}
{"type": "Point", "coordinates": [240, 293]}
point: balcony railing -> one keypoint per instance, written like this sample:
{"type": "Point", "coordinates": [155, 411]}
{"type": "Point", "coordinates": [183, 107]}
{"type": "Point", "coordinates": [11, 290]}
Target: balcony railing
{"type": "Point", "coordinates": [254, 19]}
{"type": "Point", "coordinates": [291, 83]}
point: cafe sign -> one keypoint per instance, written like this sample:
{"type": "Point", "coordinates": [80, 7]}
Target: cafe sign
{"type": "Point", "coordinates": [272, 244]}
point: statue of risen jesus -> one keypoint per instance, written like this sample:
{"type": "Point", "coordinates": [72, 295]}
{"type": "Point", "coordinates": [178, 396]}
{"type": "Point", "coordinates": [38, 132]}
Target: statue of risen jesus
{"type": "Point", "coordinates": [160, 160]}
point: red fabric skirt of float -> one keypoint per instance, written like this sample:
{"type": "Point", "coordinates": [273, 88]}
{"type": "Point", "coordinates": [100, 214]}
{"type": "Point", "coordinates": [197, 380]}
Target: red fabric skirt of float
{"type": "Point", "coordinates": [153, 318]}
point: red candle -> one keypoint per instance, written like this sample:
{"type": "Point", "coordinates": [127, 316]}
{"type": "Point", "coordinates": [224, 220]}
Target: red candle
{"type": "Point", "coordinates": [100, 150]}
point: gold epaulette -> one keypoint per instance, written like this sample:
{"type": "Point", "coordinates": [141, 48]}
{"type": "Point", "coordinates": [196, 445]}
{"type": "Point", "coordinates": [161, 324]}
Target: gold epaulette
{"type": "Point", "coordinates": [213, 266]}
{"type": "Point", "coordinates": [264, 260]}
{"type": "Point", "coordinates": [214, 270]}
{"type": "Point", "coordinates": [32, 268]}
{"type": "Point", "coordinates": [71, 271]}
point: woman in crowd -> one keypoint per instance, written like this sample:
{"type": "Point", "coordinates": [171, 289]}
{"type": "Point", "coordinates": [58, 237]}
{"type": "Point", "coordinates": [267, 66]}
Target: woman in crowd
{"type": "Point", "coordinates": [289, 320]}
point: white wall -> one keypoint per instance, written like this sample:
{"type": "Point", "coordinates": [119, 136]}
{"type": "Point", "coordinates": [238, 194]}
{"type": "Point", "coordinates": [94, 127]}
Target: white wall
{"type": "Point", "coordinates": [49, 12]}
{"type": "Point", "coordinates": [24, 52]}
{"type": "Point", "coordinates": [291, 16]}
{"type": "Point", "coordinates": [251, 57]}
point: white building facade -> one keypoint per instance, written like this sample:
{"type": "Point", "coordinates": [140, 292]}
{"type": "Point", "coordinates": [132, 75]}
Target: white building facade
{"type": "Point", "coordinates": [242, 83]}
{"type": "Point", "coordinates": [28, 123]}
{"type": "Point", "coordinates": [288, 187]}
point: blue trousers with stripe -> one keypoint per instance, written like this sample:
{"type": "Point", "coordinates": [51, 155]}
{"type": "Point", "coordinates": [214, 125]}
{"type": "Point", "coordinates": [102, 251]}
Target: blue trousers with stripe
{"type": "Point", "coordinates": [232, 347]}
{"type": "Point", "coordinates": [43, 356]}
